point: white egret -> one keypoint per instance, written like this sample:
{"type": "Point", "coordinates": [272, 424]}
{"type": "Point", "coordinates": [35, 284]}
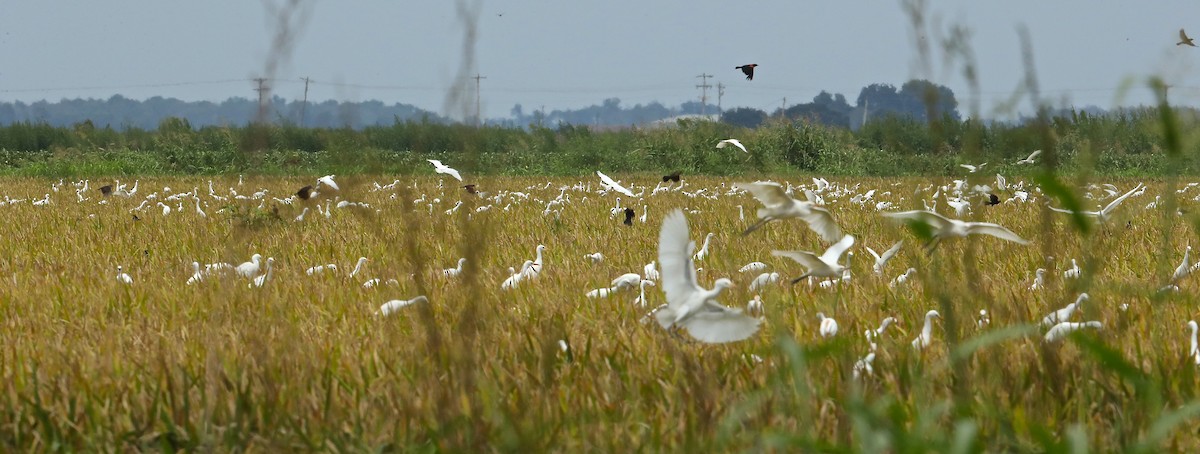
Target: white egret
{"type": "Point", "coordinates": [1194, 351]}
{"type": "Point", "coordinates": [926, 335]}
{"type": "Point", "coordinates": [864, 365]}
{"type": "Point", "coordinates": [197, 276]}
{"type": "Point", "coordinates": [613, 185]}
{"type": "Point", "coordinates": [259, 281]}
{"type": "Point", "coordinates": [594, 257]}
{"type": "Point", "coordinates": [1039, 281]}
{"type": "Point", "coordinates": [752, 266]}
{"type": "Point", "coordinates": [703, 252]}
{"type": "Point", "coordinates": [1107, 211]}
{"type": "Point", "coordinates": [872, 335]}
{"type": "Point", "coordinates": [604, 292]}
{"type": "Point", "coordinates": [777, 204]}
{"type": "Point", "coordinates": [358, 266]}
{"type": "Point", "coordinates": [122, 277]}
{"type": "Point", "coordinates": [688, 305]}
{"type": "Point", "coordinates": [734, 142]}
{"type": "Point", "coordinates": [1031, 158]}
{"type": "Point", "coordinates": [984, 319]}
{"type": "Point", "coordinates": [882, 259]}
{"type": "Point", "coordinates": [829, 326]}
{"type": "Point", "coordinates": [394, 305]}
{"type": "Point", "coordinates": [1061, 330]}
{"type": "Point", "coordinates": [1073, 272]}
{"type": "Point", "coordinates": [940, 227]}
{"type": "Point", "coordinates": [763, 280]}
{"type": "Point", "coordinates": [320, 269]}
{"type": "Point", "coordinates": [626, 281]}
{"type": "Point", "coordinates": [755, 306]}
{"type": "Point", "coordinates": [1064, 314]}
{"type": "Point", "coordinates": [826, 265]}
{"type": "Point", "coordinates": [640, 301]}
{"type": "Point", "coordinates": [250, 269]}
{"type": "Point", "coordinates": [972, 168]}
{"type": "Point", "coordinates": [457, 271]}
{"type": "Point", "coordinates": [535, 266]}
{"type": "Point", "coordinates": [438, 167]}
{"type": "Point", "coordinates": [302, 213]}
{"type": "Point", "coordinates": [1184, 267]}
{"type": "Point", "coordinates": [517, 276]}
{"type": "Point", "coordinates": [651, 272]}
{"type": "Point", "coordinates": [166, 209]}
{"type": "Point", "coordinates": [327, 180]}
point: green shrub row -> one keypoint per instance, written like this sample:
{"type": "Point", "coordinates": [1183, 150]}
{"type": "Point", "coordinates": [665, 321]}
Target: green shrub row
{"type": "Point", "coordinates": [1125, 143]}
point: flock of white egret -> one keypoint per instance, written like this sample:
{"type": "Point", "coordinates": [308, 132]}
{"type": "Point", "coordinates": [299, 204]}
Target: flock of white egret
{"type": "Point", "coordinates": [689, 306]}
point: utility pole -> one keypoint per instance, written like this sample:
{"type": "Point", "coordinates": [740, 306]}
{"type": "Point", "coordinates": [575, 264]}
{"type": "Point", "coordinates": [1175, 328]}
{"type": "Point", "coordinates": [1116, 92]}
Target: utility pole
{"type": "Point", "coordinates": [478, 119]}
{"type": "Point", "coordinates": [720, 93]}
{"type": "Point", "coordinates": [262, 90]}
{"type": "Point", "coordinates": [542, 117]}
{"type": "Point", "coordinates": [783, 107]}
{"type": "Point", "coordinates": [304, 106]}
{"type": "Point", "coordinates": [704, 86]}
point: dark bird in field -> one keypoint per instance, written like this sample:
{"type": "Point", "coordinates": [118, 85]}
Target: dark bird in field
{"type": "Point", "coordinates": [106, 190]}
{"type": "Point", "coordinates": [136, 218]}
{"type": "Point", "coordinates": [1184, 40]}
{"type": "Point", "coordinates": [672, 177]}
{"type": "Point", "coordinates": [629, 216]}
{"type": "Point", "coordinates": [748, 70]}
{"type": "Point", "coordinates": [470, 188]}
{"type": "Point", "coordinates": [993, 200]}
{"type": "Point", "coordinates": [305, 192]}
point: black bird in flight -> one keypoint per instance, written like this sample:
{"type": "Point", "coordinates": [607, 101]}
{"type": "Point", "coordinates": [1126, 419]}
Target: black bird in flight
{"type": "Point", "coordinates": [106, 190]}
{"type": "Point", "coordinates": [993, 200]}
{"type": "Point", "coordinates": [470, 188]}
{"type": "Point", "coordinates": [305, 192]}
{"type": "Point", "coordinates": [629, 216]}
{"type": "Point", "coordinates": [748, 70]}
{"type": "Point", "coordinates": [672, 177]}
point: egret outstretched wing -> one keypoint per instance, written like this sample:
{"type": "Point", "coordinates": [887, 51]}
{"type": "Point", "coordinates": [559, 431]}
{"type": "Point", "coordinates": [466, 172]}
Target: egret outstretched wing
{"type": "Point", "coordinates": [719, 324]}
{"type": "Point", "coordinates": [995, 230]}
{"type": "Point", "coordinates": [675, 258]}
{"type": "Point", "coordinates": [608, 182]}
{"type": "Point", "coordinates": [734, 142]}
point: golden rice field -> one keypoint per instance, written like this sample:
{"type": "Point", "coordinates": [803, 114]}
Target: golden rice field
{"type": "Point", "coordinates": [304, 364]}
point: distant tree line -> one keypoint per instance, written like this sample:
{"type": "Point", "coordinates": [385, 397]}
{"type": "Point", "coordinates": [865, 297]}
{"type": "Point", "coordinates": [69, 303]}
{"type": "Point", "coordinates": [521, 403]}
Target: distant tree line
{"type": "Point", "coordinates": [918, 100]}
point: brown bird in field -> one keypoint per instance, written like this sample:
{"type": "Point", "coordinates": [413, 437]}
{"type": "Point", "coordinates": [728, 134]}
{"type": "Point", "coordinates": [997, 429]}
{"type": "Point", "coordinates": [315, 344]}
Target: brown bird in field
{"type": "Point", "coordinates": [305, 192]}
{"type": "Point", "coordinates": [672, 177]}
{"type": "Point", "coordinates": [1184, 40]}
{"type": "Point", "coordinates": [748, 70]}
{"type": "Point", "coordinates": [629, 216]}
{"type": "Point", "coordinates": [106, 190]}
{"type": "Point", "coordinates": [993, 200]}
{"type": "Point", "coordinates": [470, 189]}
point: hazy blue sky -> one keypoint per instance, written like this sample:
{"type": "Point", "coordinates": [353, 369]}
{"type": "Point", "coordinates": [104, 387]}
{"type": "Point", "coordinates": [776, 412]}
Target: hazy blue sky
{"type": "Point", "coordinates": [569, 54]}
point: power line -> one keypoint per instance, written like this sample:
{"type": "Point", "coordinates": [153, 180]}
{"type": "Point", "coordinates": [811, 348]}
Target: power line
{"type": "Point", "coordinates": [477, 110]}
{"type": "Point", "coordinates": [704, 86]}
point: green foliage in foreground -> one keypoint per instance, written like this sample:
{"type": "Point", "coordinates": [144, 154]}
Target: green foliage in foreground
{"type": "Point", "coordinates": [1126, 143]}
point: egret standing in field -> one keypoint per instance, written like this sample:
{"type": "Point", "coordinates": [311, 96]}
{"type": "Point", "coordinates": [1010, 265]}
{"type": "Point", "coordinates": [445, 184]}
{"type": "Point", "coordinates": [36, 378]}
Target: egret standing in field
{"type": "Point", "coordinates": [926, 335]}
{"type": "Point", "coordinates": [941, 227]}
{"type": "Point", "coordinates": [1194, 351]}
{"type": "Point", "coordinates": [262, 280]}
{"type": "Point", "coordinates": [825, 265]}
{"type": "Point", "coordinates": [122, 277]}
{"type": "Point", "coordinates": [1061, 330]}
{"type": "Point", "coordinates": [438, 167]}
{"type": "Point", "coordinates": [1064, 314]}
{"type": "Point", "coordinates": [829, 326]}
{"type": "Point", "coordinates": [250, 269]}
{"type": "Point", "coordinates": [394, 305]}
{"type": "Point", "coordinates": [703, 252]}
{"type": "Point", "coordinates": [777, 204]}
{"type": "Point", "coordinates": [688, 305]}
